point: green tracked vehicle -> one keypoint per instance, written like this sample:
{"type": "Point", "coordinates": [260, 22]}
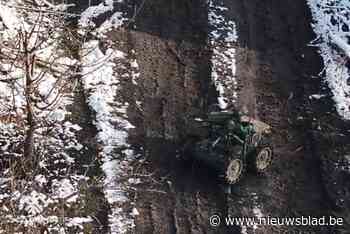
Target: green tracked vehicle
{"type": "Point", "coordinates": [230, 143]}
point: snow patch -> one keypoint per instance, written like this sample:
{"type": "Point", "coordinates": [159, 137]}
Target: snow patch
{"type": "Point", "coordinates": [9, 18]}
{"type": "Point", "coordinates": [134, 212]}
{"type": "Point", "coordinates": [34, 203]}
{"type": "Point", "coordinates": [222, 39]}
{"type": "Point", "coordinates": [92, 12]}
{"type": "Point", "coordinates": [78, 222]}
{"type": "Point", "coordinates": [331, 23]}
{"type": "Point", "coordinates": [102, 86]}
{"type": "Point", "coordinates": [115, 21]}
{"type": "Point", "coordinates": [257, 213]}
{"type": "Point", "coordinates": [316, 96]}
{"type": "Point", "coordinates": [244, 230]}
{"type": "Point", "coordinates": [66, 190]}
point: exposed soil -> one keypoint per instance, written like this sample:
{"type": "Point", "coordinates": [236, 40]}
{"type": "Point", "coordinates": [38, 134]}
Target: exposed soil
{"type": "Point", "coordinates": [275, 58]}
{"type": "Point", "coordinates": [170, 46]}
{"type": "Point", "coordinates": [169, 42]}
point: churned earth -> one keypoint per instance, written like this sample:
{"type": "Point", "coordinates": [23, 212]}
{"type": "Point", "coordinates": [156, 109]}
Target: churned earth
{"type": "Point", "coordinates": [275, 70]}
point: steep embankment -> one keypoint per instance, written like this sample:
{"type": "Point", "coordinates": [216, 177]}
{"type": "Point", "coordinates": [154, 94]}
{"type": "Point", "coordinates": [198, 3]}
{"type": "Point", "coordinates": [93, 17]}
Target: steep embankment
{"type": "Point", "coordinates": [276, 61]}
{"type": "Point", "coordinates": [273, 65]}
{"type": "Point", "coordinates": [329, 103]}
{"type": "Point", "coordinates": [168, 44]}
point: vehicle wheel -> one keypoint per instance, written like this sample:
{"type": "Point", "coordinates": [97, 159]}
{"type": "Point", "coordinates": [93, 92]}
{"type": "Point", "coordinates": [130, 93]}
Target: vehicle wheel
{"type": "Point", "coordinates": [234, 171]}
{"type": "Point", "coordinates": [263, 159]}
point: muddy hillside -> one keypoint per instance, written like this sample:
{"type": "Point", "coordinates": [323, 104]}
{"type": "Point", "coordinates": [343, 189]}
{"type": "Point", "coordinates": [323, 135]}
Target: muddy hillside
{"type": "Point", "coordinates": [275, 73]}
{"type": "Point", "coordinates": [101, 103]}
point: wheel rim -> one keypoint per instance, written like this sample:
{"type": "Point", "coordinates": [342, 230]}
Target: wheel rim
{"type": "Point", "coordinates": [234, 171]}
{"type": "Point", "coordinates": [263, 159]}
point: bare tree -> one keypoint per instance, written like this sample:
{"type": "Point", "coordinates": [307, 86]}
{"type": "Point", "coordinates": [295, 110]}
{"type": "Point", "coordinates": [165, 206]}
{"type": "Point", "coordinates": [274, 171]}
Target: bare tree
{"type": "Point", "coordinates": [38, 64]}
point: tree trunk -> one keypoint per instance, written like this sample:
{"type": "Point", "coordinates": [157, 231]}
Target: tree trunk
{"type": "Point", "coordinates": [29, 138]}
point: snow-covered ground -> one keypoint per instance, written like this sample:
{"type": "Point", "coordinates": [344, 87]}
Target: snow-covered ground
{"type": "Point", "coordinates": [88, 17]}
{"type": "Point", "coordinates": [331, 23]}
{"type": "Point", "coordinates": [51, 181]}
{"type": "Point", "coordinates": [222, 39]}
{"type": "Point", "coordinates": [102, 85]}
{"type": "Point", "coordinates": [102, 73]}
{"type": "Point", "coordinates": [33, 202]}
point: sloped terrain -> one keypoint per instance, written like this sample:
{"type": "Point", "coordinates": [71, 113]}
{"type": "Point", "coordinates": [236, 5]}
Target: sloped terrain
{"type": "Point", "coordinates": [273, 64]}
{"type": "Point", "coordinates": [151, 67]}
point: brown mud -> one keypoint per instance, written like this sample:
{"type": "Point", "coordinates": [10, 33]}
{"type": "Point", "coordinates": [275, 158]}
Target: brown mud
{"type": "Point", "coordinates": [175, 67]}
{"type": "Point", "coordinates": [274, 69]}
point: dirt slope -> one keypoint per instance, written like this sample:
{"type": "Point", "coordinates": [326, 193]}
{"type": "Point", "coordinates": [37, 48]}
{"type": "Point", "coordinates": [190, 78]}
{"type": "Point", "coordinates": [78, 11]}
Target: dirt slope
{"type": "Point", "coordinates": [169, 42]}
{"type": "Point", "coordinates": [277, 61]}
{"type": "Point", "coordinates": [171, 49]}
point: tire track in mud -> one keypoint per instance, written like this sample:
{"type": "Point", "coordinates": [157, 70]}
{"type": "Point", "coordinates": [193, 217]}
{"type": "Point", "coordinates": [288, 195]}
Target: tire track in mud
{"type": "Point", "coordinates": [170, 44]}
{"type": "Point", "coordinates": [169, 41]}
{"type": "Point", "coordinates": [272, 38]}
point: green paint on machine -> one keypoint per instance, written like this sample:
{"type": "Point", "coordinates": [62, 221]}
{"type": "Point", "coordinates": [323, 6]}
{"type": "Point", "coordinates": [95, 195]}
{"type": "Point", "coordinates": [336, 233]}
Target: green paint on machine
{"type": "Point", "coordinates": [229, 143]}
